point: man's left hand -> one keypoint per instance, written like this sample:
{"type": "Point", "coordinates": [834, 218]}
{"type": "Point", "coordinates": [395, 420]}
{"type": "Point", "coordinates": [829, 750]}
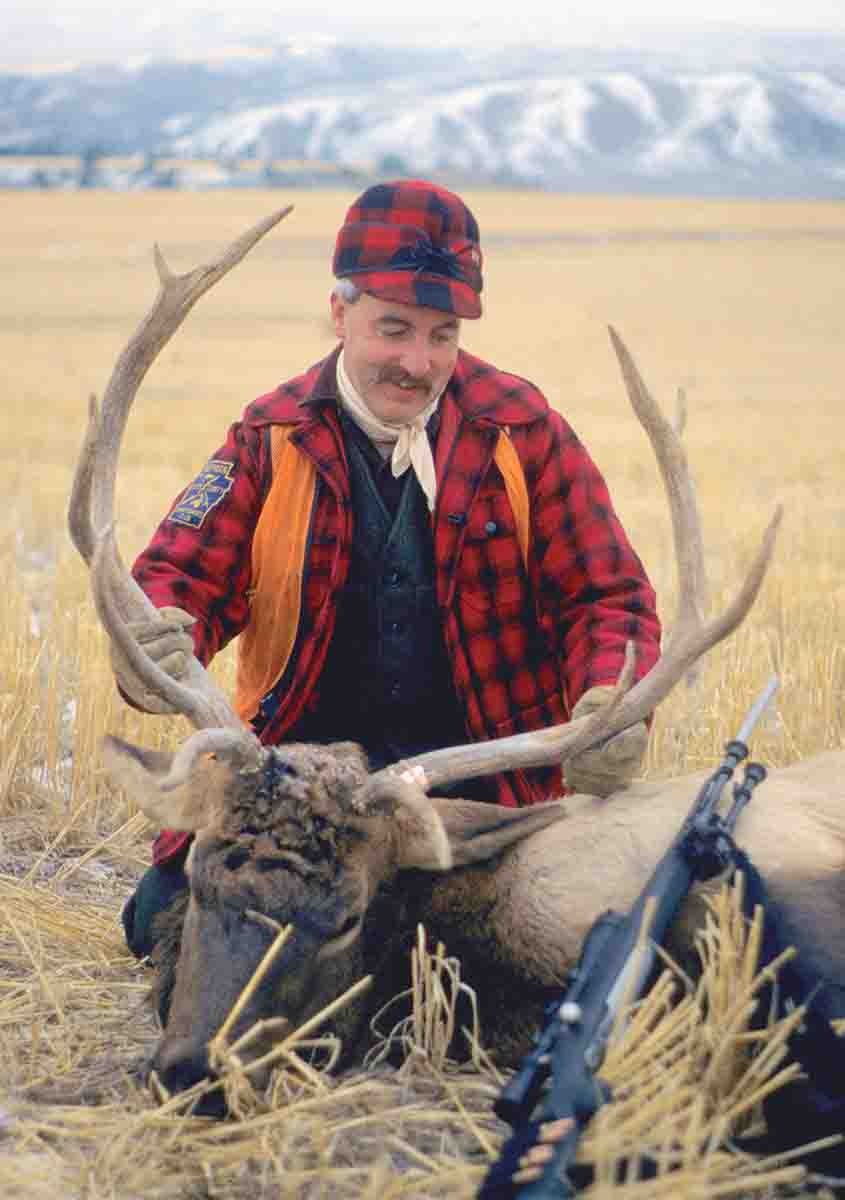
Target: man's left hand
{"type": "Point", "coordinates": [610, 767]}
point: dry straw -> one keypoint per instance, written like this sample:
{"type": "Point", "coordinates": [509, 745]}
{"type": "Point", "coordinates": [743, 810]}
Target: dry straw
{"type": "Point", "coordinates": [686, 1072]}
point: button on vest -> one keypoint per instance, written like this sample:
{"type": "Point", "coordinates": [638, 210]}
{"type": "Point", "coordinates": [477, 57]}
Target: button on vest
{"type": "Point", "coordinates": [387, 682]}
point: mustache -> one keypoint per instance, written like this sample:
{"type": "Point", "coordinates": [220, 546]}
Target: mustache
{"type": "Point", "coordinates": [392, 375]}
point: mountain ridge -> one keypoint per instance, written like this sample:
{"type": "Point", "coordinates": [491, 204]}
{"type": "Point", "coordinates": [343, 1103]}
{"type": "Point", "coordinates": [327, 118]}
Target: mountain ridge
{"type": "Point", "coordinates": [557, 118]}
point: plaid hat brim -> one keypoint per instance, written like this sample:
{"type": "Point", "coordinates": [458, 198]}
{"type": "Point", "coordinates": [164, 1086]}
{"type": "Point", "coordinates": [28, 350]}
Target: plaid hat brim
{"type": "Point", "coordinates": [419, 288]}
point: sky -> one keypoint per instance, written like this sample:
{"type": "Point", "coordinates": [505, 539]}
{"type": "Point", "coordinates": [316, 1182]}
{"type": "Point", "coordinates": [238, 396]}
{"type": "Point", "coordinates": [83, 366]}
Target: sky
{"type": "Point", "coordinates": [44, 31]}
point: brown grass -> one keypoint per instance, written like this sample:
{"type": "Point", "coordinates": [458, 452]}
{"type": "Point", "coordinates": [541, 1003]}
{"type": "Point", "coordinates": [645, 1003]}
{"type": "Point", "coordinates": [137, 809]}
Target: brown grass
{"type": "Point", "coordinates": [738, 303]}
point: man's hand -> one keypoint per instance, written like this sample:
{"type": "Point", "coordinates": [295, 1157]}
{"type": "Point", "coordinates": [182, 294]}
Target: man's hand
{"type": "Point", "coordinates": [612, 766]}
{"type": "Point", "coordinates": [165, 639]}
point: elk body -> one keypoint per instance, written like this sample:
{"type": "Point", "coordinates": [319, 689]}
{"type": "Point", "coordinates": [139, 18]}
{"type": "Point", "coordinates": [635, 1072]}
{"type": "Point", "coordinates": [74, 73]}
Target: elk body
{"type": "Point", "coordinates": [304, 836]}
{"type": "Point", "coordinates": [353, 862]}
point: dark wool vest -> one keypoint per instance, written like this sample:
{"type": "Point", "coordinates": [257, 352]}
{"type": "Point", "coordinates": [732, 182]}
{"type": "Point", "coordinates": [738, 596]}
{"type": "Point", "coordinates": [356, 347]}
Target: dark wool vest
{"type": "Point", "coordinates": [387, 682]}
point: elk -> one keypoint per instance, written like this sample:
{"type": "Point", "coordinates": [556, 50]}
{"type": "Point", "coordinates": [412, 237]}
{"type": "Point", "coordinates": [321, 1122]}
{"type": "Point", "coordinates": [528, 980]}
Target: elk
{"type": "Point", "coordinates": [305, 836]}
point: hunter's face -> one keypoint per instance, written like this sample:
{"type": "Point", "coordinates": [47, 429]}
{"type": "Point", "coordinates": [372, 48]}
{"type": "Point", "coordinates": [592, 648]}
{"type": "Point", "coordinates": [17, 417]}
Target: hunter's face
{"type": "Point", "coordinates": [398, 356]}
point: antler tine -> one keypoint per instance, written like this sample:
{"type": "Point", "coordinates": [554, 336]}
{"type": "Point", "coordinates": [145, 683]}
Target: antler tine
{"type": "Point", "coordinates": [79, 508]}
{"type": "Point", "coordinates": [690, 641]}
{"type": "Point", "coordinates": [176, 297]}
{"type": "Point", "coordinates": [91, 509]}
{"type": "Point", "coordinates": [691, 635]}
{"type": "Point", "coordinates": [674, 469]}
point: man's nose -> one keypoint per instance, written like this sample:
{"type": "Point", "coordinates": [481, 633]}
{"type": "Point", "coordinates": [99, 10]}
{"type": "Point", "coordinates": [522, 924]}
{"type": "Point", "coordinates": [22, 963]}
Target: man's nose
{"type": "Point", "coordinates": [416, 359]}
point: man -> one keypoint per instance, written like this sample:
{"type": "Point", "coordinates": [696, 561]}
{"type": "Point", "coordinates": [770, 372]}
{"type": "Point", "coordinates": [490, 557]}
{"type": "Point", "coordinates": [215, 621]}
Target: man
{"type": "Point", "coordinates": [414, 549]}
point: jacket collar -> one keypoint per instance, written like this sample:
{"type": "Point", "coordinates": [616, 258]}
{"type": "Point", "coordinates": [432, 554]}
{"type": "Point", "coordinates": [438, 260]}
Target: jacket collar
{"type": "Point", "coordinates": [479, 390]}
{"type": "Point", "coordinates": [324, 390]}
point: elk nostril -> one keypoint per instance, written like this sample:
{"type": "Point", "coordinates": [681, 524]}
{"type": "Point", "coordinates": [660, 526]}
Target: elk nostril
{"type": "Point", "coordinates": [180, 1064]}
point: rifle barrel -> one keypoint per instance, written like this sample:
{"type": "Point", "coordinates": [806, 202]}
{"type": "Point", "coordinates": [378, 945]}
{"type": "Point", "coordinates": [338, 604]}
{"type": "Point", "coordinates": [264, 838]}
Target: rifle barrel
{"type": "Point", "coordinates": [757, 709]}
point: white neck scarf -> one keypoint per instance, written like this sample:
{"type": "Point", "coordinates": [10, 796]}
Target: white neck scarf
{"type": "Point", "coordinates": [411, 445]}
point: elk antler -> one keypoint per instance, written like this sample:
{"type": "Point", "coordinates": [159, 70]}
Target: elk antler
{"type": "Point", "coordinates": [691, 635]}
{"type": "Point", "coordinates": [118, 597]}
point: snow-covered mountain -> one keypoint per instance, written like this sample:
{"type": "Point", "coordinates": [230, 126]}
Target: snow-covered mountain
{"type": "Point", "coordinates": [557, 118]}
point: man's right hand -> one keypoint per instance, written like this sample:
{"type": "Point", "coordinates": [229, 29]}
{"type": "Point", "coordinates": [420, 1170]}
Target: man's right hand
{"type": "Point", "coordinates": [166, 640]}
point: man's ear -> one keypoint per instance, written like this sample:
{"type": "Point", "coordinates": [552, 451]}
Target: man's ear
{"type": "Point", "coordinates": [338, 315]}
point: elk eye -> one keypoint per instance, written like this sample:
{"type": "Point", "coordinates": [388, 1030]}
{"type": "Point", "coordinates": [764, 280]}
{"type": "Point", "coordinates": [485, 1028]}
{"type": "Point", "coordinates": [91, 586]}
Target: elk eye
{"type": "Point", "coordinates": [349, 926]}
{"type": "Point", "coordinates": [236, 858]}
{"type": "Point", "coordinates": [269, 864]}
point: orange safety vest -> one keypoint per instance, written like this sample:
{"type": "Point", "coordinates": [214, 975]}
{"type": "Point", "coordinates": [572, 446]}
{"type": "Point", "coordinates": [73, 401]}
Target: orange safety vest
{"type": "Point", "coordinates": [278, 561]}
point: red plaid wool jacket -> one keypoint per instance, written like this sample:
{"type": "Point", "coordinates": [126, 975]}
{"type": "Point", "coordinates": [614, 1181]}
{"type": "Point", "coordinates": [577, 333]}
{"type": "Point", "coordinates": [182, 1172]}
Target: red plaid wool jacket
{"type": "Point", "coordinates": [525, 638]}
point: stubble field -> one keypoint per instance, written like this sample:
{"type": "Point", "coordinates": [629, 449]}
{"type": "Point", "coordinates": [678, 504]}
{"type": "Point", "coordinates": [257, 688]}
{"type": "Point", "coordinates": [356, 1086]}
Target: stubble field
{"type": "Point", "coordinates": [739, 305]}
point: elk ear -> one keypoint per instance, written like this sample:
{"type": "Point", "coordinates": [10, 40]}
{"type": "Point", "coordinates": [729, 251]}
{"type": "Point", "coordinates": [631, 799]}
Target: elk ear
{"type": "Point", "coordinates": [436, 834]}
{"type": "Point", "coordinates": [419, 837]}
{"type": "Point", "coordinates": [188, 807]}
{"type": "Point", "coordinates": [478, 831]}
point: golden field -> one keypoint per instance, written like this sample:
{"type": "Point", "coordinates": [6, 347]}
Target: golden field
{"type": "Point", "coordinates": [739, 304]}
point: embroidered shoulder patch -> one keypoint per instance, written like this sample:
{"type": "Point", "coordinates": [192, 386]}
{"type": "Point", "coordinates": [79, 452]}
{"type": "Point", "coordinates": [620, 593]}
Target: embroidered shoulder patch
{"type": "Point", "coordinates": [204, 494]}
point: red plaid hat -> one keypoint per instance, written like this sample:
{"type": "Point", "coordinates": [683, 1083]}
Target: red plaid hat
{"type": "Point", "coordinates": [415, 243]}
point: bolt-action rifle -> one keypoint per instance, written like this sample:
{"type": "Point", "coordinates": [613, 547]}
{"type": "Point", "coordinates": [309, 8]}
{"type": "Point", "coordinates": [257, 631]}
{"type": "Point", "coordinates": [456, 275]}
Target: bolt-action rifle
{"type": "Point", "coordinates": [558, 1077]}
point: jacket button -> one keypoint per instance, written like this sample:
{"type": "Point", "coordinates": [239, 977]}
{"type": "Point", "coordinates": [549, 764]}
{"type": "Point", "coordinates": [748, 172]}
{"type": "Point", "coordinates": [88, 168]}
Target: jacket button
{"type": "Point", "coordinates": [491, 527]}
